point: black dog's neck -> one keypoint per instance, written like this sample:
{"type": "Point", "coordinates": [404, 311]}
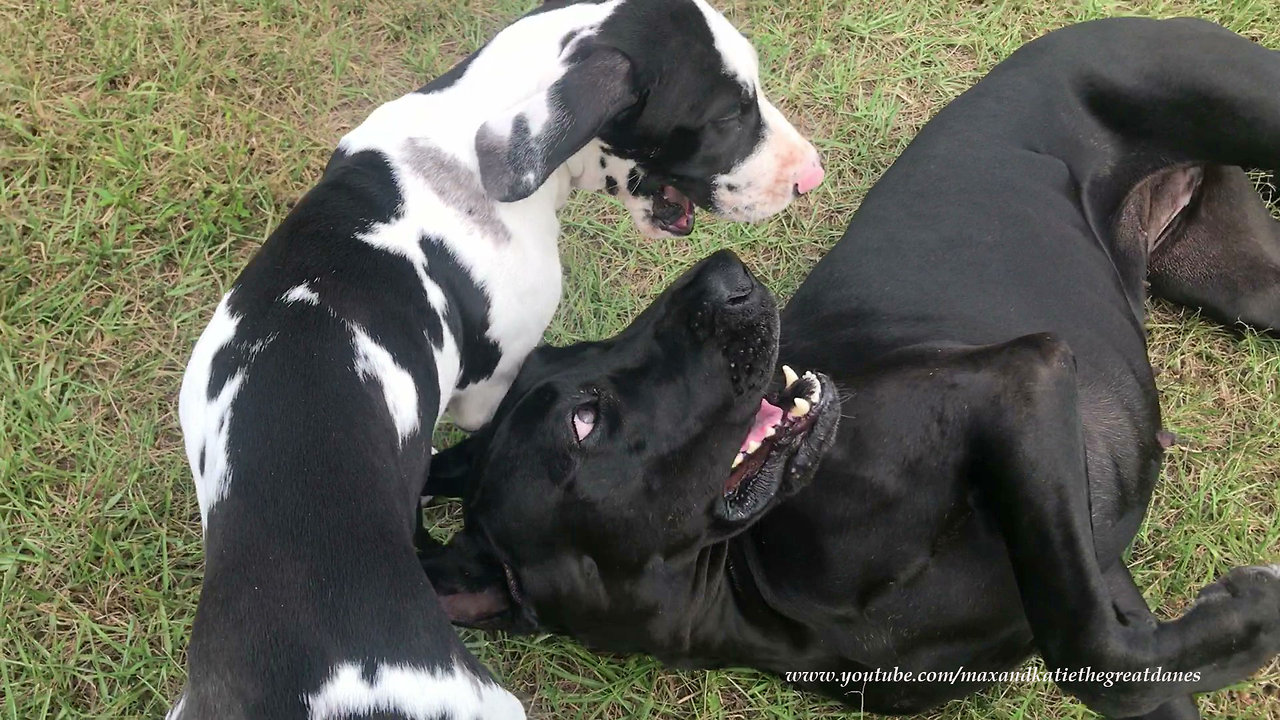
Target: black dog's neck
{"type": "Point", "coordinates": [723, 615]}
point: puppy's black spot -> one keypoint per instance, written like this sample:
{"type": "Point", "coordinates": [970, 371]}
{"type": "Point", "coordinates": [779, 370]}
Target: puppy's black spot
{"type": "Point", "coordinates": [369, 670]}
{"type": "Point", "coordinates": [730, 187]}
{"type": "Point", "coordinates": [226, 361]}
{"type": "Point", "coordinates": [200, 464]}
{"type": "Point", "coordinates": [610, 185]}
{"type": "Point", "coordinates": [603, 163]}
{"type": "Point", "coordinates": [434, 329]}
{"type": "Point", "coordinates": [467, 315]}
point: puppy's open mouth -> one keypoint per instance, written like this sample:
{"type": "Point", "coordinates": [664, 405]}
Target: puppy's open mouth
{"type": "Point", "coordinates": [790, 431]}
{"type": "Point", "coordinates": [673, 211]}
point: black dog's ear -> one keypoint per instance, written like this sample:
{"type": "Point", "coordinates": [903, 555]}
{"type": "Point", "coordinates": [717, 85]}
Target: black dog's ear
{"type": "Point", "coordinates": [450, 471]}
{"type": "Point", "coordinates": [519, 150]}
{"type": "Point", "coordinates": [471, 584]}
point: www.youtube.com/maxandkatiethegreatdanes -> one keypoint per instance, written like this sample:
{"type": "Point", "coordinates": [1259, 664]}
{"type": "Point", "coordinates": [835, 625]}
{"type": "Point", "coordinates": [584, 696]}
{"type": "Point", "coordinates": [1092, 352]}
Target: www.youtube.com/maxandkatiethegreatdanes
{"type": "Point", "coordinates": [1108, 678]}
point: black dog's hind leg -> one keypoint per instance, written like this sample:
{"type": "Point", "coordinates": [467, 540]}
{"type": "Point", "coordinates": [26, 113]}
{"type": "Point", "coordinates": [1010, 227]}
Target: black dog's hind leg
{"type": "Point", "coordinates": [1131, 609]}
{"type": "Point", "coordinates": [1211, 241]}
{"type": "Point", "coordinates": [1031, 476]}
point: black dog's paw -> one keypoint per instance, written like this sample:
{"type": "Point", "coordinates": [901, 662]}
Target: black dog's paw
{"type": "Point", "coordinates": [1253, 582]}
{"type": "Point", "coordinates": [1249, 598]}
{"type": "Point", "coordinates": [1246, 605]}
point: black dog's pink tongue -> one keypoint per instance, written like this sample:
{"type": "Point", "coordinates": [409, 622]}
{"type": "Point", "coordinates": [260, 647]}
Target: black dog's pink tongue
{"type": "Point", "coordinates": [767, 417]}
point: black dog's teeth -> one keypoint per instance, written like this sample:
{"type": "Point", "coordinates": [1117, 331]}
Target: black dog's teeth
{"type": "Point", "coordinates": [799, 396]}
{"type": "Point", "coordinates": [799, 393]}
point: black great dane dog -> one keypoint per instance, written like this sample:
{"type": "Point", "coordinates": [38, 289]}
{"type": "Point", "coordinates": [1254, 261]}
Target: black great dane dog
{"type": "Point", "coordinates": [954, 481]}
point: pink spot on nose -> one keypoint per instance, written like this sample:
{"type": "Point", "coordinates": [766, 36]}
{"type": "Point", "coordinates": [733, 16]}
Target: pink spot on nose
{"type": "Point", "coordinates": [810, 177]}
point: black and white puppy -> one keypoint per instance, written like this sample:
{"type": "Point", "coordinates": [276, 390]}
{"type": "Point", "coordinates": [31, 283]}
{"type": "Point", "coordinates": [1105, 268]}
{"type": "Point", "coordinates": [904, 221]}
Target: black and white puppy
{"type": "Point", "coordinates": [953, 484]}
{"type": "Point", "coordinates": [414, 278]}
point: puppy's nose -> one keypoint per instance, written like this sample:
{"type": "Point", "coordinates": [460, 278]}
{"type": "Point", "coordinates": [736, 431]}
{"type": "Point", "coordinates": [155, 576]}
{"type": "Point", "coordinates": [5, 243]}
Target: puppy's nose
{"type": "Point", "coordinates": [726, 280]}
{"type": "Point", "coordinates": [810, 176]}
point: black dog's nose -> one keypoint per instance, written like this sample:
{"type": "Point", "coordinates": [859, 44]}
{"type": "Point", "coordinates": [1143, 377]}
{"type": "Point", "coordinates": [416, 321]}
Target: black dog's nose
{"type": "Point", "coordinates": [725, 280]}
{"type": "Point", "coordinates": [735, 316]}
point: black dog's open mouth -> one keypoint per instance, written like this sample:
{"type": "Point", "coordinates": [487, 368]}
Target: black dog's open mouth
{"type": "Point", "coordinates": [673, 211]}
{"type": "Point", "coordinates": [791, 430]}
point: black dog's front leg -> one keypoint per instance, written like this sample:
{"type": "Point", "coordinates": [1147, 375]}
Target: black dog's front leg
{"type": "Point", "coordinates": [1132, 609]}
{"type": "Point", "coordinates": [1032, 477]}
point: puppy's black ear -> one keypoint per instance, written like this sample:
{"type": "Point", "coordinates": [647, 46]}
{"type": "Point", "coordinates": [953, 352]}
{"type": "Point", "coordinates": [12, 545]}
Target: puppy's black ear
{"type": "Point", "coordinates": [471, 584]}
{"type": "Point", "coordinates": [450, 471]}
{"type": "Point", "coordinates": [520, 149]}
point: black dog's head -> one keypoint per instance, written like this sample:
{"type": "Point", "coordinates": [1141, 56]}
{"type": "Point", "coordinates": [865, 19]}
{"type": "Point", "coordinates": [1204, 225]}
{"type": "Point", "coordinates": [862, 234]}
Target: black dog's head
{"type": "Point", "coordinates": [666, 88]}
{"type": "Point", "coordinates": [610, 464]}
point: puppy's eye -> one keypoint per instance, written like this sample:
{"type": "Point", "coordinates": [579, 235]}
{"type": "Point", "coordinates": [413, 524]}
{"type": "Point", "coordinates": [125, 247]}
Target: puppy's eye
{"type": "Point", "coordinates": [744, 106]}
{"type": "Point", "coordinates": [584, 419]}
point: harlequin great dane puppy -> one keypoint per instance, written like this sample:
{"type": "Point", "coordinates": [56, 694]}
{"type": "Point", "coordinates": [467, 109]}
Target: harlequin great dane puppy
{"type": "Point", "coordinates": [953, 482]}
{"type": "Point", "coordinates": [413, 278]}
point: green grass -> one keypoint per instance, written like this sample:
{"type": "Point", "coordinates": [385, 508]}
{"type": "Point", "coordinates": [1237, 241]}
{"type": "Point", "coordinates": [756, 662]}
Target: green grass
{"type": "Point", "coordinates": [148, 146]}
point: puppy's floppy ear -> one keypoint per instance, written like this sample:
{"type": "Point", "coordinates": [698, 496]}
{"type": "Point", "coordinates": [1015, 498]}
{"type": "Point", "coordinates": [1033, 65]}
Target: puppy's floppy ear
{"type": "Point", "coordinates": [472, 585]}
{"type": "Point", "coordinates": [519, 150]}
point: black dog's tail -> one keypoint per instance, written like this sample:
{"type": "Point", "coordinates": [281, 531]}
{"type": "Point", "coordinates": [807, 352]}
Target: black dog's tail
{"type": "Point", "coordinates": [1180, 106]}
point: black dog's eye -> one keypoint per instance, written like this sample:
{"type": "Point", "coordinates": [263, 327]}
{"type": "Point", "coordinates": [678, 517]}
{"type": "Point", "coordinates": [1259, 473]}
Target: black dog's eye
{"type": "Point", "coordinates": [584, 419]}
